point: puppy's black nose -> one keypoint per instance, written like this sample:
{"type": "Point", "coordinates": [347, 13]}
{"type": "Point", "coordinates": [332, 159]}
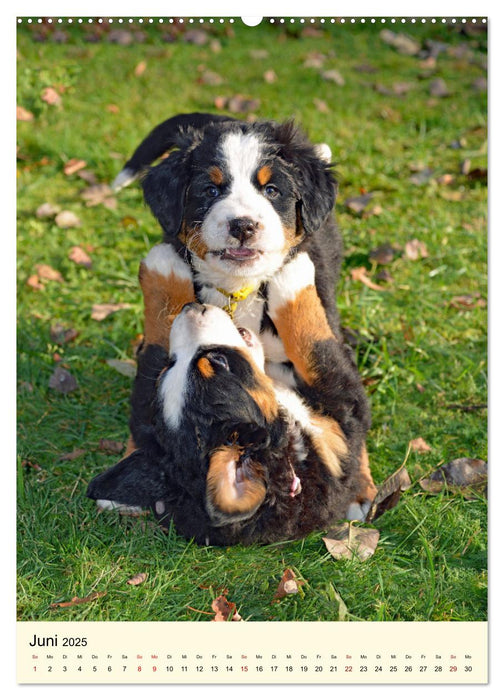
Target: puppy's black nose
{"type": "Point", "coordinates": [243, 228]}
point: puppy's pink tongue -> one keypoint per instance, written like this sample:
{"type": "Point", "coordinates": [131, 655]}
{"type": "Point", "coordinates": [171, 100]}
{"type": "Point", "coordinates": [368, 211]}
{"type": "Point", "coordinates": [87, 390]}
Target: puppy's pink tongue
{"type": "Point", "coordinates": [295, 486]}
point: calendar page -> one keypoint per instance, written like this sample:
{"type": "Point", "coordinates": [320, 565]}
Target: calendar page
{"type": "Point", "coordinates": [294, 491]}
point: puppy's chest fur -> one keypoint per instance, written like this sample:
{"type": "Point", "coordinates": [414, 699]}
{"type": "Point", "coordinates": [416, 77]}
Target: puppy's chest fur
{"type": "Point", "coordinates": [251, 313]}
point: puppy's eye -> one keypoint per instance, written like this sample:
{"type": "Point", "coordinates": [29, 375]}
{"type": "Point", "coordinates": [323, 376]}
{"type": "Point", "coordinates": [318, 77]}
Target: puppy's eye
{"type": "Point", "coordinates": [271, 191]}
{"type": "Point", "coordinates": [219, 360]}
{"type": "Point", "coordinates": [212, 191]}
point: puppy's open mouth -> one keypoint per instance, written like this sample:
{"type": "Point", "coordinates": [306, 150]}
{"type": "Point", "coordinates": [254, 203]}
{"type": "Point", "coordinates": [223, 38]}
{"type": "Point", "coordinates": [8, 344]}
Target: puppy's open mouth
{"type": "Point", "coordinates": [240, 254]}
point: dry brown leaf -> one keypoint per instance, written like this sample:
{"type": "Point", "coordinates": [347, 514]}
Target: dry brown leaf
{"type": "Point", "coordinates": [99, 194]}
{"type": "Point", "coordinates": [79, 601]}
{"type": "Point", "coordinates": [74, 165]}
{"type": "Point", "coordinates": [23, 115]}
{"type": "Point", "coordinates": [224, 610]}
{"type": "Point", "coordinates": [349, 541]}
{"type": "Point", "coordinates": [62, 381]}
{"type": "Point", "coordinates": [137, 579]}
{"type": "Point", "coordinates": [419, 445]}
{"type": "Point", "coordinates": [415, 249]}
{"type": "Point", "coordinates": [100, 311]}
{"type": "Point", "coordinates": [111, 446]}
{"type": "Point", "coordinates": [463, 475]}
{"type": "Point", "coordinates": [321, 105]}
{"type": "Point", "coordinates": [67, 219]}
{"type": "Point", "coordinates": [270, 77]}
{"type": "Point", "coordinates": [359, 275]}
{"type": "Point", "coordinates": [467, 301]}
{"type": "Point", "coordinates": [47, 211]}
{"type": "Point", "coordinates": [34, 282]}
{"type": "Point", "coordinates": [46, 272]}
{"type": "Point", "coordinates": [74, 454]}
{"type": "Point", "coordinates": [61, 335]}
{"type": "Point", "coordinates": [288, 585]}
{"type": "Point", "coordinates": [334, 76]}
{"type": "Point", "coordinates": [50, 96]}
{"type": "Point", "coordinates": [384, 254]}
{"type": "Point", "coordinates": [140, 68]}
{"type": "Point", "coordinates": [389, 493]}
{"type": "Point", "coordinates": [80, 257]}
{"type": "Point", "coordinates": [359, 203]}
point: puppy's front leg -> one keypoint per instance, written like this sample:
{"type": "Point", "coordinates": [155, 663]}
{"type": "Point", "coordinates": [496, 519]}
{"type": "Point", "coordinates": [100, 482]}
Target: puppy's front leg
{"type": "Point", "coordinates": [325, 365]}
{"type": "Point", "coordinates": [166, 282]}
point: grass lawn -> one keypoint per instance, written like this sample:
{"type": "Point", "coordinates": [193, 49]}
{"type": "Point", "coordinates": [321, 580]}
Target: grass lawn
{"type": "Point", "coordinates": [417, 145]}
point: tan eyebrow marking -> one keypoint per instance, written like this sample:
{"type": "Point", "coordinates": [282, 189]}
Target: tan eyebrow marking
{"type": "Point", "coordinates": [205, 367]}
{"type": "Point", "coordinates": [216, 175]}
{"type": "Point", "coordinates": [264, 175]}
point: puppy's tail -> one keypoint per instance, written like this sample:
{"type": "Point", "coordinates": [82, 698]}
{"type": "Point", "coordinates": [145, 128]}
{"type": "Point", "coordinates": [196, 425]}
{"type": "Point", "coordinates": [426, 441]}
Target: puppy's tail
{"type": "Point", "coordinates": [161, 139]}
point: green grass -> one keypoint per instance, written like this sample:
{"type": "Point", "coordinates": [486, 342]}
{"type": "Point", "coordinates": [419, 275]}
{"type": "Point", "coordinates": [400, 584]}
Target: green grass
{"type": "Point", "coordinates": [421, 355]}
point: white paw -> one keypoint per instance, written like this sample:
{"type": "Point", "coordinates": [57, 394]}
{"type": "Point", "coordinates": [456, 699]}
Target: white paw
{"type": "Point", "coordinates": [164, 259]}
{"type": "Point", "coordinates": [358, 511]}
{"type": "Point", "coordinates": [289, 281]}
{"type": "Point", "coordinates": [103, 504]}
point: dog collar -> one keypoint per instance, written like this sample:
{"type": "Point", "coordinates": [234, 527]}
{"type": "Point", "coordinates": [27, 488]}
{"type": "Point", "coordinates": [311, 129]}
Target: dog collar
{"type": "Point", "coordinates": [234, 297]}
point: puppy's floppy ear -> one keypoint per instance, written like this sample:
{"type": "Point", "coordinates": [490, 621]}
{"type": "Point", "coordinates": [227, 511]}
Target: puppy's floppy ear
{"type": "Point", "coordinates": [135, 480]}
{"type": "Point", "coordinates": [235, 485]}
{"type": "Point", "coordinates": [313, 176]}
{"type": "Point", "coordinates": [164, 189]}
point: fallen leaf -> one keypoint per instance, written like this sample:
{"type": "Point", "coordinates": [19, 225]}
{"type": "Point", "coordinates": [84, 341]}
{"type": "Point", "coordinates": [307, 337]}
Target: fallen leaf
{"type": "Point", "coordinates": [23, 115]}
{"type": "Point", "coordinates": [101, 311]}
{"type": "Point", "coordinates": [210, 77]}
{"type": "Point", "coordinates": [415, 249]}
{"type": "Point", "coordinates": [349, 541]}
{"type": "Point", "coordinates": [467, 301]}
{"type": "Point", "coordinates": [46, 272]}
{"type": "Point", "coordinates": [321, 105]}
{"type": "Point", "coordinates": [140, 69]}
{"type": "Point", "coordinates": [80, 257]}
{"type": "Point", "coordinates": [258, 54]}
{"type": "Point", "coordinates": [359, 203]}
{"type": "Point", "coordinates": [462, 475]}
{"type": "Point", "coordinates": [74, 165]}
{"type": "Point", "coordinates": [224, 610]}
{"type": "Point", "coordinates": [125, 367]}
{"type": "Point", "coordinates": [419, 445]}
{"type": "Point", "coordinates": [401, 42]}
{"type": "Point", "coordinates": [480, 174]}
{"type": "Point", "coordinates": [50, 96]}
{"type": "Point", "coordinates": [34, 282]}
{"type": "Point", "coordinates": [67, 219]}
{"type": "Point", "coordinates": [61, 335]}
{"type": "Point", "coordinates": [421, 177]}
{"type": "Point", "coordinates": [239, 103]}
{"type": "Point", "coordinates": [270, 77]}
{"type": "Point", "coordinates": [113, 447]}
{"type": "Point", "coordinates": [99, 194]}
{"type": "Point", "coordinates": [333, 595]}
{"type": "Point", "coordinates": [359, 275]}
{"type": "Point", "coordinates": [47, 211]}
{"type": "Point", "coordinates": [333, 76]}
{"type": "Point", "coordinates": [137, 579]}
{"type": "Point", "coordinates": [74, 454]}
{"type": "Point", "coordinates": [389, 493]}
{"type": "Point", "coordinates": [79, 601]}
{"type": "Point", "coordinates": [288, 585]}
{"type": "Point", "coordinates": [384, 254]}
{"type": "Point", "coordinates": [196, 37]}
{"type": "Point", "coordinates": [62, 381]}
{"type": "Point", "coordinates": [438, 88]}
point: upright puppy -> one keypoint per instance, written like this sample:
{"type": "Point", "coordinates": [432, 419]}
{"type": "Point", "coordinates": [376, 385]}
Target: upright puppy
{"type": "Point", "coordinates": [238, 201]}
{"type": "Point", "coordinates": [226, 452]}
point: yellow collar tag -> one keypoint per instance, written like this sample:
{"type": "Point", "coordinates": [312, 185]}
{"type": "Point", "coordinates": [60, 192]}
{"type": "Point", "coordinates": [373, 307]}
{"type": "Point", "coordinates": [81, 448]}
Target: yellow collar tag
{"type": "Point", "coordinates": [234, 297]}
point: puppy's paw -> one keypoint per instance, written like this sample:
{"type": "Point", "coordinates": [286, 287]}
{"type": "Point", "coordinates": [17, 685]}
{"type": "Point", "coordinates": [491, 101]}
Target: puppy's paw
{"type": "Point", "coordinates": [358, 511]}
{"type": "Point", "coordinates": [104, 504]}
{"type": "Point", "coordinates": [291, 279]}
{"type": "Point", "coordinates": [165, 261]}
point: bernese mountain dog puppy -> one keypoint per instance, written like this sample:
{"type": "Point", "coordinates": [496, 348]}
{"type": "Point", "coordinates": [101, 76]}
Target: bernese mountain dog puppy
{"type": "Point", "coordinates": [238, 201]}
{"type": "Point", "coordinates": [227, 452]}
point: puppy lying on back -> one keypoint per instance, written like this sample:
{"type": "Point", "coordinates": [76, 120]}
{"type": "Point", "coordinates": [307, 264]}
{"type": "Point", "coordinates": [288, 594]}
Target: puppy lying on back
{"type": "Point", "coordinates": [222, 449]}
